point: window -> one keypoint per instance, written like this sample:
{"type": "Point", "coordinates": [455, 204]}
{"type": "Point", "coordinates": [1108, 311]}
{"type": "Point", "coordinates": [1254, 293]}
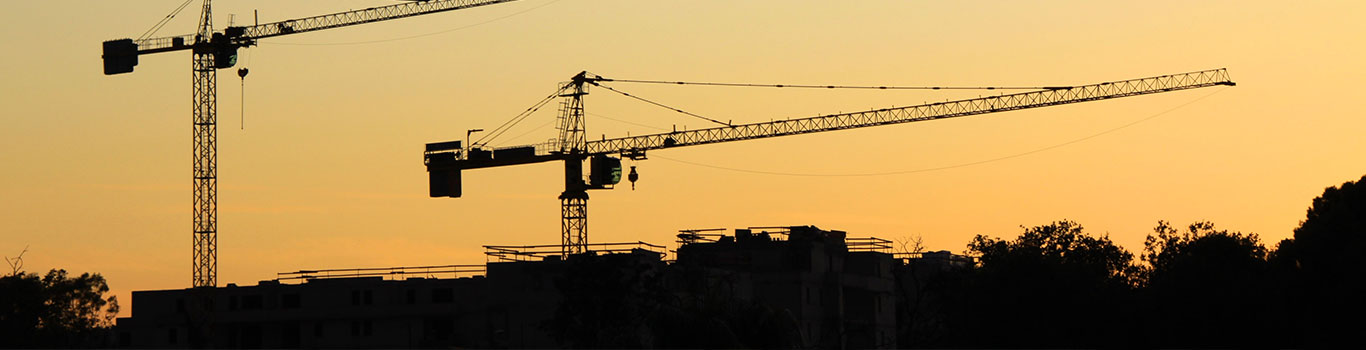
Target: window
{"type": "Point", "coordinates": [171, 336]}
{"type": "Point", "coordinates": [289, 301]}
{"type": "Point", "coordinates": [289, 336]}
{"type": "Point", "coordinates": [443, 295]}
{"type": "Point", "coordinates": [362, 328]}
{"type": "Point", "coordinates": [253, 302]}
{"type": "Point", "coordinates": [365, 297]}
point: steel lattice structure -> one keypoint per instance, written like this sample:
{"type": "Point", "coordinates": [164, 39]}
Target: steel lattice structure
{"type": "Point", "coordinates": [217, 50]}
{"type": "Point", "coordinates": [573, 143]}
{"type": "Point", "coordinates": [205, 256]}
{"type": "Point", "coordinates": [917, 113]}
{"type": "Point", "coordinates": [246, 35]}
{"type": "Point", "coordinates": [445, 160]}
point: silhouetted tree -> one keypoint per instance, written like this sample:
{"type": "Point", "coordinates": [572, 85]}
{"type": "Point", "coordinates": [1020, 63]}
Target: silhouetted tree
{"type": "Point", "coordinates": [1207, 288]}
{"type": "Point", "coordinates": [1053, 286]}
{"type": "Point", "coordinates": [1329, 271]}
{"type": "Point", "coordinates": [922, 289]}
{"type": "Point", "coordinates": [921, 284]}
{"type": "Point", "coordinates": [55, 310]}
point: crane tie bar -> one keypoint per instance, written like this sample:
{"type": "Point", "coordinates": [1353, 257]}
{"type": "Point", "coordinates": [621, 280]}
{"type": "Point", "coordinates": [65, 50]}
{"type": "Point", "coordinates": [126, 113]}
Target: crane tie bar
{"type": "Point", "coordinates": [662, 105]}
{"type": "Point", "coordinates": [862, 87]}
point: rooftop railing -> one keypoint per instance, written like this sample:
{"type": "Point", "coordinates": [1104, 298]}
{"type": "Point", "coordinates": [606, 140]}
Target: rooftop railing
{"type": "Point", "coordinates": [505, 253]}
{"type": "Point", "coordinates": [387, 273]}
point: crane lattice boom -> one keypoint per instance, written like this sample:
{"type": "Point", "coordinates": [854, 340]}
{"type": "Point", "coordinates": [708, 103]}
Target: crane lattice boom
{"type": "Point", "coordinates": [246, 35]}
{"type": "Point", "coordinates": [941, 110]}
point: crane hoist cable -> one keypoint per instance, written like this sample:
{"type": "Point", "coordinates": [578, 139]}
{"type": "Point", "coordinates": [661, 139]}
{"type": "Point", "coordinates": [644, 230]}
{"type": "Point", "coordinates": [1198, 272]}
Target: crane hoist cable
{"type": "Point", "coordinates": [242, 95]}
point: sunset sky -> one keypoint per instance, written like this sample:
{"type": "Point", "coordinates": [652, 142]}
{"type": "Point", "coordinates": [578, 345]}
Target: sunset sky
{"type": "Point", "coordinates": [324, 168]}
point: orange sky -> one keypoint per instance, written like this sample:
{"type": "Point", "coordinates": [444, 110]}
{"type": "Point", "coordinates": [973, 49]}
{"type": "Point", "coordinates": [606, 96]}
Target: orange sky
{"type": "Point", "coordinates": [327, 172]}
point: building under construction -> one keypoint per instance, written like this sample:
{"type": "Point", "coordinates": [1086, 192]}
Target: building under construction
{"type": "Point", "coordinates": [776, 287]}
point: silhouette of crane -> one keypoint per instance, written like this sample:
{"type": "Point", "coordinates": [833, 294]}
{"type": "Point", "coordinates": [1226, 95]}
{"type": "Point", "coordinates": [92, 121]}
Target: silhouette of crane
{"type": "Point", "coordinates": [218, 50]}
{"type": "Point", "coordinates": [446, 160]}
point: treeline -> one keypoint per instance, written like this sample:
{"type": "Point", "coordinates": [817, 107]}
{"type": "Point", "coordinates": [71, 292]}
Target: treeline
{"type": "Point", "coordinates": [1057, 286]}
{"type": "Point", "coordinates": [55, 310]}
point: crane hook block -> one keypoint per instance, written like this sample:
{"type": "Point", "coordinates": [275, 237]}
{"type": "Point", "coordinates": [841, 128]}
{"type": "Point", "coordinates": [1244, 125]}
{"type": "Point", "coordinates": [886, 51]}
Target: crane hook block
{"type": "Point", "coordinates": [242, 72]}
{"type": "Point", "coordinates": [633, 177]}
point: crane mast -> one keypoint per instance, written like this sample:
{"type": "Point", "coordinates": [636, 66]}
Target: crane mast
{"type": "Point", "coordinates": [573, 144]}
{"type": "Point", "coordinates": [445, 160]}
{"type": "Point", "coordinates": [205, 103]}
{"type": "Point", "coordinates": [217, 50]}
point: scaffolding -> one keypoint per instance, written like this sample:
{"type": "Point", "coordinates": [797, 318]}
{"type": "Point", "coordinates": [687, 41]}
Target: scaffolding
{"type": "Point", "coordinates": [552, 252]}
{"type": "Point", "coordinates": [387, 273]}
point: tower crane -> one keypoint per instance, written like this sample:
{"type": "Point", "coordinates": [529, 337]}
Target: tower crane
{"type": "Point", "coordinates": [218, 50]}
{"type": "Point", "coordinates": [446, 160]}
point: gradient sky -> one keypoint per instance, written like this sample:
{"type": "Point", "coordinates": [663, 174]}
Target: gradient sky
{"type": "Point", "coordinates": [327, 171]}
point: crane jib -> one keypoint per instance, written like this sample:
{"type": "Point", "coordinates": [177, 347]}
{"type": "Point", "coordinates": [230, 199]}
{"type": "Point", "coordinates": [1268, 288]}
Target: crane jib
{"type": "Point", "coordinates": [120, 56]}
{"type": "Point", "coordinates": [898, 115]}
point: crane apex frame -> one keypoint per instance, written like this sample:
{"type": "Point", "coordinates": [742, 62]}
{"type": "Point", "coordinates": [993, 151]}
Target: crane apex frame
{"type": "Point", "coordinates": [212, 51]}
{"type": "Point", "coordinates": [446, 160]}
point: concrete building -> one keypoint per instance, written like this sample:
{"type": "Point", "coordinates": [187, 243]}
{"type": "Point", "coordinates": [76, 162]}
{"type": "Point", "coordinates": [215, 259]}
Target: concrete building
{"type": "Point", "coordinates": [821, 289]}
{"type": "Point", "coordinates": [839, 298]}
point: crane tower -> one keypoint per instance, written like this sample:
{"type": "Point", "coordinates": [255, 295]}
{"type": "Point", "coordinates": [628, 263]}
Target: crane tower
{"type": "Point", "coordinates": [212, 51]}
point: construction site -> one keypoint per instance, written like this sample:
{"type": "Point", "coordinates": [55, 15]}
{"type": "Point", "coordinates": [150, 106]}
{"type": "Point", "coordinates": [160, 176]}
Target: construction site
{"type": "Point", "coordinates": [774, 287]}
{"type": "Point", "coordinates": [794, 286]}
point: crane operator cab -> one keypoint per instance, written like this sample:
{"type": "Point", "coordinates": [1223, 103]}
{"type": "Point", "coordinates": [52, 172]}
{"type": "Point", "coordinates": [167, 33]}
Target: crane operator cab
{"type": "Point", "coordinates": [606, 172]}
